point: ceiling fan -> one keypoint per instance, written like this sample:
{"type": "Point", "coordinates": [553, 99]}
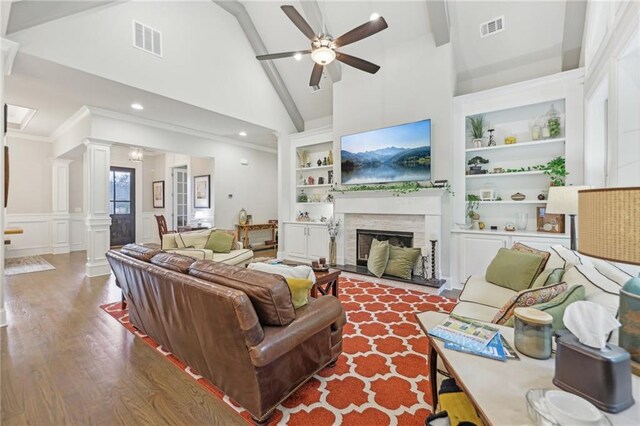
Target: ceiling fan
{"type": "Point", "coordinates": [324, 47]}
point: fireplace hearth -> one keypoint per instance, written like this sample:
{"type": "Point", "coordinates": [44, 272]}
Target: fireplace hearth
{"type": "Point", "coordinates": [364, 237]}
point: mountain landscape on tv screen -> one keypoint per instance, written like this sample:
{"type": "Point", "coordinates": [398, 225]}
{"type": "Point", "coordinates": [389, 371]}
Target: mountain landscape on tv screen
{"type": "Point", "coordinates": [390, 164]}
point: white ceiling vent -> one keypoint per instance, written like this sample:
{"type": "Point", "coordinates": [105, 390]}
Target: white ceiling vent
{"type": "Point", "coordinates": [491, 27]}
{"type": "Point", "coordinates": [147, 38]}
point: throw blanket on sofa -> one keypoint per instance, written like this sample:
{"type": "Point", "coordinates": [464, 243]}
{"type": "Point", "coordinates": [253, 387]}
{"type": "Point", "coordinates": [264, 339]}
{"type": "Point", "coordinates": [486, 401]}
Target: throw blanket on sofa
{"type": "Point", "coordinates": [300, 271]}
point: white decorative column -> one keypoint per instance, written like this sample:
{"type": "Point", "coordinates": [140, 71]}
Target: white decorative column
{"type": "Point", "coordinates": [60, 191]}
{"type": "Point", "coordinates": [98, 222]}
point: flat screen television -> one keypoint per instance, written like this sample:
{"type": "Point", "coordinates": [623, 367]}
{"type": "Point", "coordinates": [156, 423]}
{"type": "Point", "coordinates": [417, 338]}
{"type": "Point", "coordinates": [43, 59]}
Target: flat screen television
{"type": "Point", "coordinates": [393, 154]}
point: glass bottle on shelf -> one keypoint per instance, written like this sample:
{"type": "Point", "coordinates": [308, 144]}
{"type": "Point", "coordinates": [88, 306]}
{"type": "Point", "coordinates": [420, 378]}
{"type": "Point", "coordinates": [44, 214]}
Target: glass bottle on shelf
{"type": "Point", "coordinates": [535, 130]}
{"type": "Point", "coordinates": [553, 122]}
{"type": "Point", "coordinates": [302, 197]}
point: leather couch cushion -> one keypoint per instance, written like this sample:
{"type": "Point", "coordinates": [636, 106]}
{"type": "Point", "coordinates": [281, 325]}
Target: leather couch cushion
{"type": "Point", "coordinates": [173, 261]}
{"type": "Point", "coordinates": [139, 252]}
{"type": "Point", "coordinates": [269, 293]}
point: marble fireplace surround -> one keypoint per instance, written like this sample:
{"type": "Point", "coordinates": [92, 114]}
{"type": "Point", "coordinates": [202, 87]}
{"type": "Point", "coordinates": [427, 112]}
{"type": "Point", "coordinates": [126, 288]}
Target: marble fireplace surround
{"type": "Point", "coordinates": [419, 212]}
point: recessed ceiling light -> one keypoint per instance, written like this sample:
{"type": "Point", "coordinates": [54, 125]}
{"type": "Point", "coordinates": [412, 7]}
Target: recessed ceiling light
{"type": "Point", "coordinates": [137, 106]}
{"type": "Point", "coordinates": [243, 133]}
{"type": "Point", "coordinates": [297, 56]}
{"type": "Point", "coordinates": [374, 16]}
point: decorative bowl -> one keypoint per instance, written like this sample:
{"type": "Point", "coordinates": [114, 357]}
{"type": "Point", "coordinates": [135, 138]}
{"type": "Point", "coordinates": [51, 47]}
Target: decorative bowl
{"type": "Point", "coordinates": [518, 196]}
{"type": "Point", "coordinates": [465, 226]}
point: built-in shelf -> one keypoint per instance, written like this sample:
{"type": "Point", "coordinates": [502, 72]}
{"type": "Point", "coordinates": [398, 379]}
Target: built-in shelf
{"type": "Point", "coordinates": [514, 202]}
{"type": "Point", "coordinates": [547, 235]}
{"type": "Point", "coordinates": [546, 142]}
{"type": "Point", "coordinates": [302, 169]}
{"type": "Point", "coordinates": [324, 185]}
{"type": "Point", "coordinates": [492, 175]}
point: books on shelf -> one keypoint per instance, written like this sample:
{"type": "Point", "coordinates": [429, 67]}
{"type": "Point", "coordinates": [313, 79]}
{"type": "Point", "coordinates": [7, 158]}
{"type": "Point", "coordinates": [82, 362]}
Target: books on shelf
{"type": "Point", "coordinates": [468, 336]}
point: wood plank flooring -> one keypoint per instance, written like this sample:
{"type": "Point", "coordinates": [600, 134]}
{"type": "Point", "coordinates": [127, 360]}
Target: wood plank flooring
{"type": "Point", "coordinates": [65, 361]}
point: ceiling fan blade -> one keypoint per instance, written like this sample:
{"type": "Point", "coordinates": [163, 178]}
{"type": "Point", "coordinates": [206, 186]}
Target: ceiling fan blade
{"type": "Point", "coordinates": [363, 31]}
{"type": "Point", "coordinates": [358, 63]}
{"type": "Point", "coordinates": [282, 55]}
{"type": "Point", "coordinates": [299, 22]}
{"type": "Point", "coordinates": [316, 75]}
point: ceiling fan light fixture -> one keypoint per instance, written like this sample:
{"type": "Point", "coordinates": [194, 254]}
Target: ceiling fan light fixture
{"type": "Point", "coordinates": [297, 56]}
{"type": "Point", "coordinates": [374, 16]}
{"type": "Point", "coordinates": [323, 55]}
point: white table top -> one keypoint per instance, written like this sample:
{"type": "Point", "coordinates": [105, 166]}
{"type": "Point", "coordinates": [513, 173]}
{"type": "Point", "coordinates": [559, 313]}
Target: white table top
{"type": "Point", "coordinates": [499, 388]}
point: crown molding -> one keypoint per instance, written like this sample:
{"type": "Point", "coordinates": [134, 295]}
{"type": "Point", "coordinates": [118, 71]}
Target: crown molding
{"type": "Point", "coordinates": [9, 52]}
{"type": "Point", "coordinates": [11, 133]}
{"type": "Point", "coordinates": [101, 112]}
{"type": "Point", "coordinates": [70, 122]}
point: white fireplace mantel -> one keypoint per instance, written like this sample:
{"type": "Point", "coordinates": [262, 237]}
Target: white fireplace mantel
{"type": "Point", "coordinates": [426, 203]}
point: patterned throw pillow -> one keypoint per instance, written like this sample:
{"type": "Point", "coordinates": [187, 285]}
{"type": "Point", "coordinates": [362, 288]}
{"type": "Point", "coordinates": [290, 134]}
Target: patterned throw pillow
{"type": "Point", "coordinates": [528, 298]}
{"type": "Point", "coordinates": [526, 249]}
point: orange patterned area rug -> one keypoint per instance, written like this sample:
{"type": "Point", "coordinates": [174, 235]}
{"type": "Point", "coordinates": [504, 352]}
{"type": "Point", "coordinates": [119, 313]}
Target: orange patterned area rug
{"type": "Point", "coordinates": [381, 378]}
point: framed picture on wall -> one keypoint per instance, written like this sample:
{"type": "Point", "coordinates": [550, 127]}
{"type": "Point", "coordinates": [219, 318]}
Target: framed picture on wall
{"type": "Point", "coordinates": [202, 191]}
{"type": "Point", "coordinates": [549, 222]}
{"type": "Point", "coordinates": [158, 194]}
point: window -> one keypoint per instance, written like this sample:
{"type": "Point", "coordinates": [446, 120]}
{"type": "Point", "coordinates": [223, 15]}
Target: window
{"type": "Point", "coordinates": [119, 192]}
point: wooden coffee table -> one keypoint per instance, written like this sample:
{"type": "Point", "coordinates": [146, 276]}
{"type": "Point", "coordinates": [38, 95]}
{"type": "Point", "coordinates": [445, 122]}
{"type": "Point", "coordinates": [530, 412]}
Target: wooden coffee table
{"type": "Point", "coordinates": [326, 282]}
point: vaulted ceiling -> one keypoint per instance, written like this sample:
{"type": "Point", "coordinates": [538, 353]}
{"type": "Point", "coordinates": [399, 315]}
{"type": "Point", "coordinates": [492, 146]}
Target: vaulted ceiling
{"type": "Point", "coordinates": [540, 37]}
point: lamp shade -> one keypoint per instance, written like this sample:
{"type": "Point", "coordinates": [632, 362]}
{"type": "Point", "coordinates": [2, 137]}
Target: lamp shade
{"type": "Point", "coordinates": [609, 225]}
{"type": "Point", "coordinates": [200, 214]}
{"type": "Point", "coordinates": [564, 199]}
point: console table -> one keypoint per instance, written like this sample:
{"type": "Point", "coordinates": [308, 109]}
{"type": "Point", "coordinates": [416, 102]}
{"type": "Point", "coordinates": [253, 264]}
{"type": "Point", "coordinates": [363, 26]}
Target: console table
{"type": "Point", "coordinates": [244, 230]}
{"type": "Point", "coordinates": [497, 389]}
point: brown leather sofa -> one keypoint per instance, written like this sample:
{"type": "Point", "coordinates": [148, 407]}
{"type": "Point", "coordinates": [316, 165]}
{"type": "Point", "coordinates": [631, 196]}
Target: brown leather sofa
{"type": "Point", "coordinates": [236, 327]}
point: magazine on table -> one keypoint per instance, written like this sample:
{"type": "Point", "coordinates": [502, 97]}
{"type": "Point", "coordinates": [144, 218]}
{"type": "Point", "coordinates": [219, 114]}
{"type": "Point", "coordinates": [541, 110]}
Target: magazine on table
{"type": "Point", "coordinates": [464, 332]}
{"type": "Point", "coordinates": [494, 350]}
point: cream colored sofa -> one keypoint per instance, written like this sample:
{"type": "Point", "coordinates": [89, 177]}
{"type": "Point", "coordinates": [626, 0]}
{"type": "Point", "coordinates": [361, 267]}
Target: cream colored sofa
{"type": "Point", "coordinates": [602, 280]}
{"type": "Point", "coordinates": [192, 244]}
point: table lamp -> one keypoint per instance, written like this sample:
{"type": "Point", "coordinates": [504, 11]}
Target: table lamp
{"type": "Point", "coordinates": [564, 200]}
{"type": "Point", "coordinates": [610, 230]}
{"type": "Point", "coordinates": [198, 216]}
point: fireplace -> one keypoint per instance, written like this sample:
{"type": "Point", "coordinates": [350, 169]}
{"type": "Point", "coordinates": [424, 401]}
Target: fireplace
{"type": "Point", "coordinates": [364, 237]}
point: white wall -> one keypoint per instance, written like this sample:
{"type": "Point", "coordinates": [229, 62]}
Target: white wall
{"type": "Point", "coordinates": [30, 176]}
{"type": "Point", "coordinates": [207, 60]}
{"type": "Point", "coordinates": [415, 82]}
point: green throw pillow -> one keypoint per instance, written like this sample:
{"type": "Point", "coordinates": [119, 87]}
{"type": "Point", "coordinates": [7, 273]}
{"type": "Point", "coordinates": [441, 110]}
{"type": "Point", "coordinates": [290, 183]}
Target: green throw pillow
{"type": "Point", "coordinates": [556, 306]}
{"type": "Point", "coordinates": [513, 269]}
{"type": "Point", "coordinates": [219, 242]}
{"type": "Point", "coordinates": [378, 257]}
{"type": "Point", "coordinates": [548, 277]}
{"type": "Point", "coordinates": [299, 291]}
{"type": "Point", "coordinates": [401, 261]}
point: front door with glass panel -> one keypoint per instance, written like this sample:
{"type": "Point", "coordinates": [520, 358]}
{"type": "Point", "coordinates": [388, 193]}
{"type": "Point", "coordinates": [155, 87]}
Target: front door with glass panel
{"type": "Point", "coordinates": [122, 205]}
{"type": "Point", "coordinates": [180, 197]}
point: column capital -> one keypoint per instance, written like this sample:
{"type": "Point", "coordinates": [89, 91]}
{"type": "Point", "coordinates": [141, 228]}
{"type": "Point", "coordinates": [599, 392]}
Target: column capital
{"type": "Point", "coordinates": [96, 142]}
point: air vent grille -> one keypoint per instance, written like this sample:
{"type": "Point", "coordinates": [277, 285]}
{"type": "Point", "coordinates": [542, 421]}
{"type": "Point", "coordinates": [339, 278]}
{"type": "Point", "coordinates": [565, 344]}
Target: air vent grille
{"type": "Point", "coordinates": [147, 38]}
{"type": "Point", "coordinates": [492, 27]}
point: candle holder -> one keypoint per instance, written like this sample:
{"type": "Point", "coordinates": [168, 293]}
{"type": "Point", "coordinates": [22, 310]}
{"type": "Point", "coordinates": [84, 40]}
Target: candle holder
{"type": "Point", "coordinates": [433, 281]}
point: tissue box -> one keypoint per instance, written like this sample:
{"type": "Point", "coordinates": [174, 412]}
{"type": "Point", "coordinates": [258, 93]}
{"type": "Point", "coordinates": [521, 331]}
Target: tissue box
{"type": "Point", "coordinates": [603, 377]}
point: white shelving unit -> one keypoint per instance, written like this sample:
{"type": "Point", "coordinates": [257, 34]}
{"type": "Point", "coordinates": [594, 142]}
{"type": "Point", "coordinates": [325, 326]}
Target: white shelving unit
{"type": "Point", "coordinates": [510, 110]}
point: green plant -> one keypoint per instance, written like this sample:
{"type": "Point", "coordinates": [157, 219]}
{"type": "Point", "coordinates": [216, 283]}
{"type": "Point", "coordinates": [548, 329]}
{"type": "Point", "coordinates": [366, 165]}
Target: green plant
{"type": "Point", "coordinates": [397, 188]}
{"type": "Point", "coordinates": [476, 126]}
{"type": "Point", "coordinates": [477, 160]}
{"type": "Point", "coordinates": [556, 170]}
{"type": "Point", "coordinates": [473, 202]}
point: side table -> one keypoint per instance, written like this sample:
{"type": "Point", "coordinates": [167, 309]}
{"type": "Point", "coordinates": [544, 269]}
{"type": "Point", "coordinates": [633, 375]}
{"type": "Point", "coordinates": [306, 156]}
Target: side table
{"type": "Point", "coordinates": [326, 282]}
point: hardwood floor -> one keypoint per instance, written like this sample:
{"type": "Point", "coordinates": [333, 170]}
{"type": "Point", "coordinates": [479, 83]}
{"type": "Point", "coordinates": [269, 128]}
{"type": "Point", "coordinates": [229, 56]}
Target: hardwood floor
{"type": "Point", "coordinates": [65, 361]}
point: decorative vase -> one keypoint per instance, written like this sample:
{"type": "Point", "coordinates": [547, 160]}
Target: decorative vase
{"type": "Point", "coordinates": [477, 143]}
{"type": "Point", "coordinates": [242, 217]}
{"type": "Point", "coordinates": [332, 251]}
{"type": "Point", "coordinates": [330, 158]}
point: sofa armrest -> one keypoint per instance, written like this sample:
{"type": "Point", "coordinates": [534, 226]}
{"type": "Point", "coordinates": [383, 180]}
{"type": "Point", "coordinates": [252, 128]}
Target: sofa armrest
{"type": "Point", "coordinates": [319, 314]}
{"type": "Point", "coordinates": [169, 241]}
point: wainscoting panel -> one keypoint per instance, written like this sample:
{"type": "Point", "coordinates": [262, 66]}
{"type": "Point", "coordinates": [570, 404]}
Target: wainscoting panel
{"type": "Point", "coordinates": [77, 232]}
{"type": "Point", "coordinates": [44, 233]}
{"type": "Point", "coordinates": [149, 228]}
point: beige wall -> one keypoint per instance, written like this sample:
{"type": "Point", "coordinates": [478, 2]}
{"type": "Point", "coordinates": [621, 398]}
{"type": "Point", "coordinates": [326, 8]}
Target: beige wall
{"type": "Point", "coordinates": [30, 176]}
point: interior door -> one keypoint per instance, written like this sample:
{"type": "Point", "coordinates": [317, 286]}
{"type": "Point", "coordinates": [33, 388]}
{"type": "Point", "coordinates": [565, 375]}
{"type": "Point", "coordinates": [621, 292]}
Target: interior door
{"type": "Point", "coordinates": [122, 205]}
{"type": "Point", "coordinates": [180, 197]}
{"type": "Point", "coordinates": [318, 242]}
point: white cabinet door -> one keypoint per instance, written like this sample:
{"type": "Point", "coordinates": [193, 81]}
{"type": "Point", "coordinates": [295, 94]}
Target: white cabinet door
{"type": "Point", "coordinates": [478, 252]}
{"type": "Point", "coordinates": [318, 242]}
{"type": "Point", "coordinates": [295, 240]}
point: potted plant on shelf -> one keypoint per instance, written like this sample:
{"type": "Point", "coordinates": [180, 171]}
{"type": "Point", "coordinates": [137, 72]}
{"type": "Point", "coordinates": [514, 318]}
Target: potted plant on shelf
{"type": "Point", "coordinates": [475, 165]}
{"type": "Point", "coordinates": [476, 129]}
{"type": "Point", "coordinates": [556, 170]}
{"type": "Point", "coordinates": [473, 202]}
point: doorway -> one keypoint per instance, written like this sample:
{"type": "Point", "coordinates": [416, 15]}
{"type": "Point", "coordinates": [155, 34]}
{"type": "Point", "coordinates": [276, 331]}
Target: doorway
{"type": "Point", "coordinates": [180, 197]}
{"type": "Point", "coordinates": [122, 205]}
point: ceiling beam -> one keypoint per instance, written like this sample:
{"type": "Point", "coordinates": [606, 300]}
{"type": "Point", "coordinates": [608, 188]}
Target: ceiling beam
{"type": "Point", "coordinates": [574, 19]}
{"type": "Point", "coordinates": [439, 21]}
{"type": "Point", "coordinates": [313, 14]}
{"type": "Point", "coordinates": [250, 31]}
